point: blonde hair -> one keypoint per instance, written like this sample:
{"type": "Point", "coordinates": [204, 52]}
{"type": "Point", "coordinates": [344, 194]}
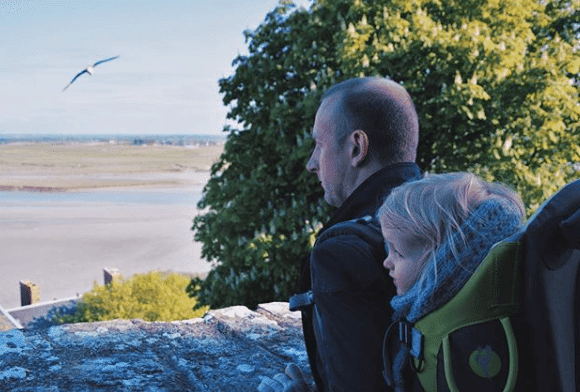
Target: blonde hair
{"type": "Point", "coordinates": [433, 208]}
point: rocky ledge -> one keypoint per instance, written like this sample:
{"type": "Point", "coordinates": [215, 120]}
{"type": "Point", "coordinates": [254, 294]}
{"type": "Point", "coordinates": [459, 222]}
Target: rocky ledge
{"type": "Point", "coordinates": [229, 349]}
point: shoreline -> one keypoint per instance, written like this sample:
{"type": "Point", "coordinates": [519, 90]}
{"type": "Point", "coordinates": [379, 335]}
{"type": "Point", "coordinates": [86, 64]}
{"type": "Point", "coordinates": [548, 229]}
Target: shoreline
{"type": "Point", "coordinates": [64, 246]}
{"type": "Point", "coordinates": [137, 219]}
{"type": "Point", "coordinates": [102, 182]}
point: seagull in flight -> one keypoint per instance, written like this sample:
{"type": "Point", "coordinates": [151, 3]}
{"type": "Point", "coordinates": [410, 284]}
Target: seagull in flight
{"type": "Point", "coordinates": [88, 70]}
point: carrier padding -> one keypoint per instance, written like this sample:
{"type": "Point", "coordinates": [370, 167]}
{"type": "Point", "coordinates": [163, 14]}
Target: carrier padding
{"type": "Point", "coordinates": [490, 293]}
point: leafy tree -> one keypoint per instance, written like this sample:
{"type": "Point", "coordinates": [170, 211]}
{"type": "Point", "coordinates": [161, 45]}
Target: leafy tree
{"type": "Point", "coordinates": [151, 297]}
{"type": "Point", "coordinates": [496, 87]}
{"type": "Point", "coordinates": [262, 206]}
{"type": "Point", "coordinates": [495, 83]}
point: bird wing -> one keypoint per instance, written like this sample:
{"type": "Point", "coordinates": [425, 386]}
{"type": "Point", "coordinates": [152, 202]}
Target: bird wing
{"type": "Point", "coordinates": [85, 70]}
{"type": "Point", "coordinates": [75, 78]}
{"type": "Point", "coordinates": [102, 61]}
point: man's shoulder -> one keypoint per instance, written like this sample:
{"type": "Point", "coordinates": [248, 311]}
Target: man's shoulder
{"type": "Point", "coordinates": [366, 228]}
{"type": "Point", "coordinates": [349, 256]}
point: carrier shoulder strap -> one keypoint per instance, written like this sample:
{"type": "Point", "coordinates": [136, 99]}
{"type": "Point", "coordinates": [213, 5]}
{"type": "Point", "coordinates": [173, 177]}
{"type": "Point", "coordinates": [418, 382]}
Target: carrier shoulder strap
{"type": "Point", "coordinates": [491, 293]}
{"type": "Point", "coordinates": [366, 227]}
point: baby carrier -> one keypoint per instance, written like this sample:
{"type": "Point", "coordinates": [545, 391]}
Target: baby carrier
{"type": "Point", "coordinates": [514, 326]}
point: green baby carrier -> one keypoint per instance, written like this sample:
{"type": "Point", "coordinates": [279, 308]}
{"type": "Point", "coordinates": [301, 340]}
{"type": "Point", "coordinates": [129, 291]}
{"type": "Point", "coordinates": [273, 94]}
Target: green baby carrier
{"type": "Point", "coordinates": [514, 326]}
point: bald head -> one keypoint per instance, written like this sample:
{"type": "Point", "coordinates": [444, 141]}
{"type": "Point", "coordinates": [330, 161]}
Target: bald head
{"type": "Point", "coordinates": [384, 111]}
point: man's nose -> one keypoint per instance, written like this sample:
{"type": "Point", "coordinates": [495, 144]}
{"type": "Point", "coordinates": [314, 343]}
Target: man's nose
{"type": "Point", "coordinates": [311, 166]}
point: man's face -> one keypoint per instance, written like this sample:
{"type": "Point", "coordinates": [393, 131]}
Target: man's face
{"type": "Point", "coordinates": [329, 160]}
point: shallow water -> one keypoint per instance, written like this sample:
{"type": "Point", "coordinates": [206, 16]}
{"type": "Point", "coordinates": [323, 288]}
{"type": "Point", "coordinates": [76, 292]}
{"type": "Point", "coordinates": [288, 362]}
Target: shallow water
{"type": "Point", "coordinates": [48, 199]}
{"type": "Point", "coordinates": [62, 240]}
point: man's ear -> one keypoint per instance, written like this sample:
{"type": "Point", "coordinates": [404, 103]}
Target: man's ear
{"type": "Point", "coordinates": [359, 147]}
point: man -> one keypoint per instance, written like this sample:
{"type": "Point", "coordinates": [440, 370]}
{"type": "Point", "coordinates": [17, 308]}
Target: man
{"type": "Point", "coordinates": [366, 133]}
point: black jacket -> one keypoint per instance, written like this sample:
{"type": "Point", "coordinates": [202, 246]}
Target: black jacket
{"type": "Point", "coordinates": [352, 291]}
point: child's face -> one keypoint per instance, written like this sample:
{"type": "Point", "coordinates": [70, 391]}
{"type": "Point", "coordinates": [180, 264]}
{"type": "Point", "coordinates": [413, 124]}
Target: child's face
{"type": "Point", "coordinates": [405, 258]}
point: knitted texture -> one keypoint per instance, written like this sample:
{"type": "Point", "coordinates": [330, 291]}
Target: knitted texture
{"type": "Point", "coordinates": [491, 222]}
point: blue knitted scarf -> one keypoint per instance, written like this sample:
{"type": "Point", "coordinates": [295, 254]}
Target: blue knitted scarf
{"type": "Point", "coordinates": [491, 222]}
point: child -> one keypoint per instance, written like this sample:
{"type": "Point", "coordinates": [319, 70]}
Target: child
{"type": "Point", "coordinates": [437, 230]}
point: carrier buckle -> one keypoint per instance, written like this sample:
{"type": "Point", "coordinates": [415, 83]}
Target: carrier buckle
{"type": "Point", "coordinates": [301, 301]}
{"type": "Point", "coordinates": [413, 339]}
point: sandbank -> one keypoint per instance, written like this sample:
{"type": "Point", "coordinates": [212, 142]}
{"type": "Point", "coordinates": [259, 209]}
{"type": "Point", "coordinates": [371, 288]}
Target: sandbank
{"type": "Point", "coordinates": [72, 167]}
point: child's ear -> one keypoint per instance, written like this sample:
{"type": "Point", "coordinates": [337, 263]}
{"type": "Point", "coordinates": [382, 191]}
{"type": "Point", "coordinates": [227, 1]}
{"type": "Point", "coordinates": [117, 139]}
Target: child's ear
{"type": "Point", "coordinates": [360, 147]}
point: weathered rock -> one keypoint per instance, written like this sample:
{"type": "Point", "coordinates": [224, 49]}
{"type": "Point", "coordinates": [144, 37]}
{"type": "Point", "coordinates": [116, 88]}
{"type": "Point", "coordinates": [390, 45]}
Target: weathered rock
{"type": "Point", "coordinates": [229, 349]}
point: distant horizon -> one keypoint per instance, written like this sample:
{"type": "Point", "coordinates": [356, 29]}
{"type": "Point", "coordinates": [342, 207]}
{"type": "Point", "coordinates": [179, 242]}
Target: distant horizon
{"type": "Point", "coordinates": [8, 134]}
{"type": "Point", "coordinates": [150, 133]}
{"type": "Point", "coordinates": [141, 138]}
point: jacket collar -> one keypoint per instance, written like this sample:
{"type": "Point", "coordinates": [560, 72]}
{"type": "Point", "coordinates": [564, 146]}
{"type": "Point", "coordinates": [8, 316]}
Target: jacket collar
{"type": "Point", "coordinates": [367, 198]}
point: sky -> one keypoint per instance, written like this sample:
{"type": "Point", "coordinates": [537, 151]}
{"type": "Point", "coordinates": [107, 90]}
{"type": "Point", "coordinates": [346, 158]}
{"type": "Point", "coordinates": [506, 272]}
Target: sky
{"type": "Point", "coordinates": [172, 54]}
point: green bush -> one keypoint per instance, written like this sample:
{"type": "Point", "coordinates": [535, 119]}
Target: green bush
{"type": "Point", "coordinates": [151, 297]}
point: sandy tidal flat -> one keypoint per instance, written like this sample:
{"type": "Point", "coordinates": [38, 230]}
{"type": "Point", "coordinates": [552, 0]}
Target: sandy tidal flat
{"type": "Point", "coordinates": [66, 167]}
{"type": "Point", "coordinates": [104, 215]}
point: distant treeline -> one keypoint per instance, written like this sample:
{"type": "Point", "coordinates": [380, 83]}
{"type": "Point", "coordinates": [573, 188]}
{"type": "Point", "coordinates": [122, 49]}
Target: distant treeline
{"type": "Point", "coordinates": [171, 140]}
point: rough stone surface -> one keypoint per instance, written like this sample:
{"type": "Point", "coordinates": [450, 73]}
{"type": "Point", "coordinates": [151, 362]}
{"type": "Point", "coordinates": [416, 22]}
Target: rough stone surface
{"type": "Point", "coordinates": [229, 349]}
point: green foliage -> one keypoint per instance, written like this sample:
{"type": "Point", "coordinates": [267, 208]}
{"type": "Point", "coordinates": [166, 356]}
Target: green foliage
{"type": "Point", "coordinates": [262, 206]}
{"type": "Point", "coordinates": [151, 297]}
{"type": "Point", "coordinates": [495, 84]}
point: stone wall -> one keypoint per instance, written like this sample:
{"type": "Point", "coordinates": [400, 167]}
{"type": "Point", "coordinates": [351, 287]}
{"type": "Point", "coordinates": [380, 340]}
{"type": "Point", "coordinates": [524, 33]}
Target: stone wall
{"type": "Point", "coordinates": [229, 349]}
